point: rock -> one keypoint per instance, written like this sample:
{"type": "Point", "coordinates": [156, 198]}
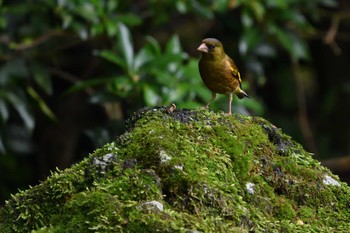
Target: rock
{"type": "Point", "coordinates": [327, 180]}
{"type": "Point", "coordinates": [250, 187]}
{"type": "Point", "coordinates": [187, 171]}
{"type": "Point", "coordinates": [153, 206]}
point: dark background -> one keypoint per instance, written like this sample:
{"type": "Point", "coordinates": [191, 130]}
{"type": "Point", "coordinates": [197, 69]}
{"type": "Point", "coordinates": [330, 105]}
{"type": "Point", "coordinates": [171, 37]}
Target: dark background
{"type": "Point", "coordinates": [71, 72]}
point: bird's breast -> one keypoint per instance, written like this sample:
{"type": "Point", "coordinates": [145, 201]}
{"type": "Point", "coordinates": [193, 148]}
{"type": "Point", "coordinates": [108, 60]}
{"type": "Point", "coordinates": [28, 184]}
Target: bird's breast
{"type": "Point", "coordinates": [218, 77]}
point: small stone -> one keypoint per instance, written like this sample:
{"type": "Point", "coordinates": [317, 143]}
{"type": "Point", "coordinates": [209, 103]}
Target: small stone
{"type": "Point", "coordinates": [179, 167]}
{"type": "Point", "coordinates": [103, 164]}
{"type": "Point", "coordinates": [153, 205]}
{"type": "Point", "coordinates": [300, 222]}
{"type": "Point", "coordinates": [100, 165]}
{"type": "Point", "coordinates": [129, 163]}
{"type": "Point", "coordinates": [192, 231]}
{"type": "Point", "coordinates": [155, 177]}
{"type": "Point", "coordinates": [250, 187]}
{"type": "Point", "coordinates": [327, 180]}
{"type": "Point", "coordinates": [164, 157]}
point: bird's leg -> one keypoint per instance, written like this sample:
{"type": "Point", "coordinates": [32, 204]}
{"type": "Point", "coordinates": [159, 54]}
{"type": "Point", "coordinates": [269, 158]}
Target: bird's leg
{"type": "Point", "coordinates": [213, 96]}
{"type": "Point", "coordinates": [229, 103]}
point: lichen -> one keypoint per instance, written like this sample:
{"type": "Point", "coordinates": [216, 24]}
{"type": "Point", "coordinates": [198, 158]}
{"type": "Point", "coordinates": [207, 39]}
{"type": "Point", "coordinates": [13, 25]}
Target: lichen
{"type": "Point", "coordinates": [187, 171]}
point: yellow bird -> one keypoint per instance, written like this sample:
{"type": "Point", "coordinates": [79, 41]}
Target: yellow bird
{"type": "Point", "coordinates": [218, 71]}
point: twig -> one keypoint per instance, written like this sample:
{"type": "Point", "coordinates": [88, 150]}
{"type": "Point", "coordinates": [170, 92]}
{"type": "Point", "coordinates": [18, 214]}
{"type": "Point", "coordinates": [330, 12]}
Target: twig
{"type": "Point", "coordinates": [329, 38]}
{"type": "Point", "coordinates": [39, 40]}
{"type": "Point", "coordinates": [69, 77]}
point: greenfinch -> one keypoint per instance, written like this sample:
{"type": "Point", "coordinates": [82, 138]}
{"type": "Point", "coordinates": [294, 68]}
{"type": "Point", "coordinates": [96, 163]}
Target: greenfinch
{"type": "Point", "coordinates": [218, 71]}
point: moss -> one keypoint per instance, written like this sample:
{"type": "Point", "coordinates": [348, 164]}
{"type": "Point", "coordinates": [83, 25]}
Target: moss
{"type": "Point", "coordinates": [306, 213]}
{"type": "Point", "coordinates": [208, 172]}
{"type": "Point", "coordinates": [284, 210]}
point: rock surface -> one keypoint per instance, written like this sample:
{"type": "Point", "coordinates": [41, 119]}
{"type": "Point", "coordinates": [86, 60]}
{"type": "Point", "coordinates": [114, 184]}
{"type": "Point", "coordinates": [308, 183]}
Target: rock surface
{"type": "Point", "coordinates": [187, 171]}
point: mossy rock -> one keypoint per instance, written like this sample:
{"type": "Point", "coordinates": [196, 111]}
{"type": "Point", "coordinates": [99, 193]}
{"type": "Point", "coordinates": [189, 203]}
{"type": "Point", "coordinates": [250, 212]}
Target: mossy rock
{"type": "Point", "coordinates": [187, 171]}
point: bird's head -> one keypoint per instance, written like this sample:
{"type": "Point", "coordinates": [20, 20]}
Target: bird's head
{"type": "Point", "coordinates": [212, 47]}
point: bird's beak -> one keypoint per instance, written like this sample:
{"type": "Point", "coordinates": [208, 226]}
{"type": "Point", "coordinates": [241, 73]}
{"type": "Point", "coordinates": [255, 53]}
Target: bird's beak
{"type": "Point", "coordinates": [203, 48]}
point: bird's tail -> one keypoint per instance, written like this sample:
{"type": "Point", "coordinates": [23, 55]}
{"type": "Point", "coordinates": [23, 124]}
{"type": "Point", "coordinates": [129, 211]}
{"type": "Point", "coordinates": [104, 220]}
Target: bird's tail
{"type": "Point", "coordinates": [241, 94]}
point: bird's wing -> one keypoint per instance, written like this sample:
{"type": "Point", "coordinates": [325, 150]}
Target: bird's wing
{"type": "Point", "coordinates": [234, 70]}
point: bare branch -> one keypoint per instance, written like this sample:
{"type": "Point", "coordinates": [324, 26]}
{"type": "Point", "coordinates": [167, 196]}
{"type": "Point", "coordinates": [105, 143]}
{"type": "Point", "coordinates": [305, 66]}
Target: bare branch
{"type": "Point", "coordinates": [41, 39]}
{"type": "Point", "coordinates": [329, 38]}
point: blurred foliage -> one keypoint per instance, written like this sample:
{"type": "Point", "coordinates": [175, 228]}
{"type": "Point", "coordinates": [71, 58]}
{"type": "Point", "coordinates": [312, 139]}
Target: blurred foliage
{"type": "Point", "coordinates": [160, 77]}
{"type": "Point", "coordinates": [138, 49]}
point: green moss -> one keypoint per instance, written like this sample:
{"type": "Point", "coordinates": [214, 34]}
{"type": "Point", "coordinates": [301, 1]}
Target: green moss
{"type": "Point", "coordinates": [306, 213]}
{"type": "Point", "coordinates": [209, 172]}
{"type": "Point", "coordinates": [284, 210]}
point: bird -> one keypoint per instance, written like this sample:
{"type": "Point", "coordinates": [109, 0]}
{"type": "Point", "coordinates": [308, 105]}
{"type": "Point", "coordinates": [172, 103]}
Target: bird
{"type": "Point", "coordinates": [219, 72]}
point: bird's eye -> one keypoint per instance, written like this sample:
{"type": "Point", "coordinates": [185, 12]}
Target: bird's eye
{"type": "Point", "coordinates": [211, 46]}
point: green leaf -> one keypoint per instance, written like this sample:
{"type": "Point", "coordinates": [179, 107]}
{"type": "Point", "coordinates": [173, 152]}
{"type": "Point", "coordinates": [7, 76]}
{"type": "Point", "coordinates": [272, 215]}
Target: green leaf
{"type": "Point", "coordinates": [191, 72]}
{"type": "Point", "coordinates": [150, 95]}
{"type": "Point", "coordinates": [42, 78]}
{"type": "Point", "coordinates": [13, 69]}
{"type": "Point", "coordinates": [246, 18]}
{"type": "Point", "coordinates": [112, 57]}
{"type": "Point", "coordinates": [98, 29]}
{"type": "Point", "coordinates": [255, 65]}
{"type": "Point", "coordinates": [300, 49]}
{"type": "Point", "coordinates": [112, 30]}
{"type": "Point", "coordinates": [254, 105]}
{"type": "Point", "coordinates": [111, 6]}
{"type": "Point", "coordinates": [67, 19]}
{"type": "Point", "coordinates": [178, 93]}
{"type": "Point", "coordinates": [249, 40]}
{"type": "Point", "coordinates": [83, 33]}
{"type": "Point", "coordinates": [201, 9]}
{"type": "Point", "coordinates": [2, 146]}
{"type": "Point", "coordinates": [41, 103]}
{"type": "Point", "coordinates": [181, 7]}
{"type": "Point", "coordinates": [121, 86]}
{"type": "Point", "coordinates": [203, 93]}
{"type": "Point", "coordinates": [190, 104]}
{"type": "Point", "coordinates": [142, 57]}
{"type": "Point", "coordinates": [154, 45]}
{"type": "Point", "coordinates": [87, 10]}
{"type": "Point", "coordinates": [163, 61]}
{"type": "Point", "coordinates": [284, 38]}
{"type": "Point", "coordinates": [224, 5]}
{"type": "Point", "coordinates": [280, 4]}
{"type": "Point", "coordinates": [82, 85]}
{"type": "Point", "coordinates": [129, 19]}
{"type": "Point", "coordinates": [173, 45]}
{"type": "Point", "coordinates": [258, 9]}
{"type": "Point", "coordinates": [126, 46]}
{"type": "Point", "coordinates": [293, 44]}
{"type": "Point", "coordinates": [4, 112]}
{"type": "Point", "coordinates": [265, 50]}
{"type": "Point", "coordinates": [329, 3]}
{"type": "Point", "coordinates": [22, 108]}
